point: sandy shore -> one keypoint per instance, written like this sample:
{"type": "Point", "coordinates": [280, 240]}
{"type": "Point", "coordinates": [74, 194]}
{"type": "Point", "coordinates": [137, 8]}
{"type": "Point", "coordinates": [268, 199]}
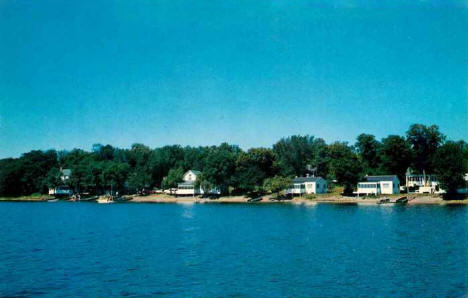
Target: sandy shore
{"type": "Point", "coordinates": [333, 199]}
{"type": "Point", "coordinates": [413, 199]}
{"type": "Point", "coordinates": [41, 198]}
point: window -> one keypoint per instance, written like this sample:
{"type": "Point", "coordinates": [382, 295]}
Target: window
{"type": "Point", "coordinates": [186, 187]}
{"type": "Point", "coordinates": [299, 186]}
{"type": "Point", "coordinates": [385, 185]}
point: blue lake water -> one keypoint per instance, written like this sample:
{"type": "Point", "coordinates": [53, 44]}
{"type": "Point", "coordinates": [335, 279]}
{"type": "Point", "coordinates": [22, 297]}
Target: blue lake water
{"type": "Point", "coordinates": [87, 249]}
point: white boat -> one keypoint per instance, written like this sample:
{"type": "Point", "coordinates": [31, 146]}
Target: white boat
{"type": "Point", "coordinates": [105, 200]}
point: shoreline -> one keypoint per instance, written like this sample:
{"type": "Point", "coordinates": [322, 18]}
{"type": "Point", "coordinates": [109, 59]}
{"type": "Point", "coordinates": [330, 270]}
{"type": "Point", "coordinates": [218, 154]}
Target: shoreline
{"type": "Point", "coordinates": [414, 200]}
{"type": "Point", "coordinates": [418, 200]}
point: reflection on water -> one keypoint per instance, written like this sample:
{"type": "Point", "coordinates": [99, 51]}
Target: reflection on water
{"type": "Point", "coordinates": [187, 210]}
{"type": "Point", "coordinates": [232, 250]}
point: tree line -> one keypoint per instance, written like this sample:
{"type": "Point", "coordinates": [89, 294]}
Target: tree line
{"type": "Point", "coordinates": [423, 148]}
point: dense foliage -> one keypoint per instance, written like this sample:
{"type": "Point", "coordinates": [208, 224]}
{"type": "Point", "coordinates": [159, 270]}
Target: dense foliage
{"type": "Point", "coordinates": [230, 168]}
{"type": "Point", "coordinates": [450, 164]}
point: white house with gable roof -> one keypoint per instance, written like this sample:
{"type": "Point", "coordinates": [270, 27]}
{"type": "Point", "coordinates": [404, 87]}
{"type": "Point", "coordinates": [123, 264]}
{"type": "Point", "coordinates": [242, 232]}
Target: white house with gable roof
{"type": "Point", "coordinates": [307, 185]}
{"type": "Point", "coordinates": [187, 187]}
{"type": "Point", "coordinates": [376, 185]}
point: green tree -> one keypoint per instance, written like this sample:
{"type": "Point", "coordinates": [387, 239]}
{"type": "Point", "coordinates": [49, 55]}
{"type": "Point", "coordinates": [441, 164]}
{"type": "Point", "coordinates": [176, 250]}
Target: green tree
{"type": "Point", "coordinates": [320, 159]}
{"type": "Point", "coordinates": [276, 184]}
{"type": "Point", "coordinates": [162, 160]}
{"type": "Point", "coordinates": [138, 158]}
{"type": "Point", "coordinates": [395, 156]}
{"type": "Point", "coordinates": [35, 166]}
{"type": "Point", "coordinates": [367, 147]}
{"type": "Point", "coordinates": [114, 175]}
{"type": "Point", "coordinates": [424, 141]}
{"type": "Point", "coordinates": [53, 178]}
{"type": "Point", "coordinates": [11, 171]}
{"type": "Point", "coordinates": [103, 152]}
{"type": "Point", "coordinates": [139, 179]}
{"type": "Point", "coordinates": [252, 167]}
{"type": "Point", "coordinates": [219, 166]}
{"type": "Point", "coordinates": [293, 154]}
{"type": "Point", "coordinates": [173, 177]}
{"type": "Point", "coordinates": [344, 166]}
{"type": "Point", "coordinates": [194, 157]}
{"type": "Point", "coordinates": [92, 177]}
{"type": "Point", "coordinates": [449, 166]}
{"type": "Point", "coordinates": [204, 183]}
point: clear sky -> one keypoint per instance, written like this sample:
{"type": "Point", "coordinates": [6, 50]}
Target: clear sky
{"type": "Point", "coordinates": [158, 72]}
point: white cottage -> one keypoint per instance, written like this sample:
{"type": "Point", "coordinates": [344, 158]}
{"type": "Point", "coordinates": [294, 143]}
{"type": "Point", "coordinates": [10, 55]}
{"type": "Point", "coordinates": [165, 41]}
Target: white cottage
{"type": "Point", "coordinates": [308, 185]}
{"type": "Point", "coordinates": [376, 185]}
{"type": "Point", "coordinates": [187, 187]}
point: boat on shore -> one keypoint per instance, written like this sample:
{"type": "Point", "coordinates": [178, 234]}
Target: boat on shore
{"type": "Point", "coordinates": [402, 201]}
{"type": "Point", "coordinates": [105, 199]}
{"type": "Point", "coordinates": [52, 200]}
{"type": "Point", "coordinates": [122, 199]}
{"type": "Point", "coordinates": [90, 199]}
{"type": "Point", "coordinates": [253, 200]}
{"type": "Point", "coordinates": [383, 201]}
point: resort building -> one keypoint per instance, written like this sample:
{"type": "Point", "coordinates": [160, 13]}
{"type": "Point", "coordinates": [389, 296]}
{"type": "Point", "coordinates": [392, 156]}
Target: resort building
{"type": "Point", "coordinates": [376, 185]}
{"type": "Point", "coordinates": [307, 185]}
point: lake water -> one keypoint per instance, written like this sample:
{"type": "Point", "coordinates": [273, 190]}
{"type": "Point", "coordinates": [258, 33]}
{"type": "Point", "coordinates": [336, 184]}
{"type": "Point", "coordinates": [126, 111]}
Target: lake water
{"type": "Point", "coordinates": [86, 249]}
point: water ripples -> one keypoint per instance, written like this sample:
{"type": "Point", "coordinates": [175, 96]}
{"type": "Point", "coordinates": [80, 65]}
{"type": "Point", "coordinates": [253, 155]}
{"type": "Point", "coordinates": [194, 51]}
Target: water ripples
{"type": "Point", "coordinates": [231, 250]}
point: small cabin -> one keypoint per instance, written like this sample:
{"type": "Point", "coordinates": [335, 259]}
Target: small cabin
{"type": "Point", "coordinates": [376, 185]}
{"type": "Point", "coordinates": [308, 185]}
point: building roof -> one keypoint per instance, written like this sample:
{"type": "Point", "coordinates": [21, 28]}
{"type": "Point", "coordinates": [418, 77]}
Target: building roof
{"type": "Point", "coordinates": [305, 179]}
{"type": "Point", "coordinates": [194, 171]}
{"type": "Point", "coordinates": [381, 178]}
{"type": "Point", "coordinates": [66, 172]}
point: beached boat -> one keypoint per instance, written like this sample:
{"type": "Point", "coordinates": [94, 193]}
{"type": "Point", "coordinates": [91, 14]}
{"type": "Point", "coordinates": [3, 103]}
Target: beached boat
{"type": "Point", "coordinates": [402, 200]}
{"type": "Point", "coordinates": [90, 199]}
{"type": "Point", "coordinates": [122, 199]}
{"type": "Point", "coordinates": [253, 200]}
{"type": "Point", "coordinates": [384, 201]}
{"type": "Point", "coordinates": [52, 200]}
{"type": "Point", "coordinates": [105, 200]}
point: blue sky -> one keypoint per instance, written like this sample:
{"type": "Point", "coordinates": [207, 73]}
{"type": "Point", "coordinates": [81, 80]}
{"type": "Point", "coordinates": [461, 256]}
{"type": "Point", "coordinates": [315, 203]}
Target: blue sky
{"type": "Point", "coordinates": [75, 73]}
